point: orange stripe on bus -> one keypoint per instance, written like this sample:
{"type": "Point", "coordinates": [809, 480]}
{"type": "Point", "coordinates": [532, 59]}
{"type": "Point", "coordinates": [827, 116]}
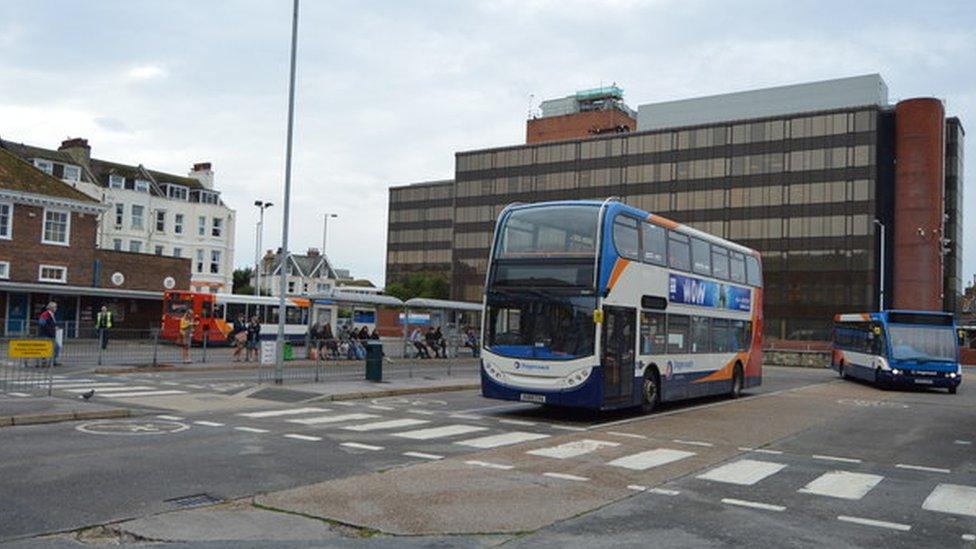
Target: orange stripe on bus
{"type": "Point", "coordinates": [618, 269]}
{"type": "Point", "coordinates": [663, 221]}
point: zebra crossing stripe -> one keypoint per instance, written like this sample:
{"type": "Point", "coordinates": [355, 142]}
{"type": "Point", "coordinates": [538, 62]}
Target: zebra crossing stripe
{"type": "Point", "coordinates": [86, 386]}
{"type": "Point", "coordinates": [303, 437]}
{"type": "Point", "coordinates": [744, 472]}
{"type": "Point", "coordinates": [208, 423]}
{"type": "Point", "coordinates": [359, 446]}
{"type": "Point", "coordinates": [251, 429]}
{"type": "Point", "coordinates": [504, 439]}
{"type": "Point", "coordinates": [170, 418]}
{"type": "Point", "coordinates": [389, 424]}
{"type": "Point", "coordinates": [422, 455]}
{"type": "Point", "coordinates": [842, 484]}
{"type": "Point", "coordinates": [331, 419]}
{"type": "Point", "coordinates": [573, 449]}
{"type": "Point", "coordinates": [146, 393]}
{"type": "Point", "coordinates": [651, 458]}
{"type": "Point", "coordinates": [19, 394]}
{"type": "Point", "coordinates": [112, 389]}
{"type": "Point", "coordinates": [439, 432]}
{"type": "Point", "coordinates": [276, 413]}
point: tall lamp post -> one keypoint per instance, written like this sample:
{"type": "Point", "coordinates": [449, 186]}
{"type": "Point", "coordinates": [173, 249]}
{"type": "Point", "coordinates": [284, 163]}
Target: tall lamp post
{"type": "Point", "coordinates": [262, 205]}
{"type": "Point", "coordinates": [325, 229]}
{"type": "Point", "coordinates": [882, 285]}
{"type": "Point", "coordinates": [283, 284]}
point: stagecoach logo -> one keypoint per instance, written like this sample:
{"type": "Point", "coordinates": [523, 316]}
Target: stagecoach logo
{"type": "Point", "coordinates": [524, 366]}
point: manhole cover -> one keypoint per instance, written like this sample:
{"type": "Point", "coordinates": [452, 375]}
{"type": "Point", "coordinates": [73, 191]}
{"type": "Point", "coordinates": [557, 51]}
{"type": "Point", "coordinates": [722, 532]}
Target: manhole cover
{"type": "Point", "coordinates": [132, 427]}
{"type": "Point", "coordinates": [195, 500]}
{"type": "Point", "coordinates": [283, 395]}
{"type": "Point", "coordinates": [862, 403]}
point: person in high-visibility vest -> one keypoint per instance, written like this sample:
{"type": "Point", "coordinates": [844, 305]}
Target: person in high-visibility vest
{"type": "Point", "coordinates": [103, 322]}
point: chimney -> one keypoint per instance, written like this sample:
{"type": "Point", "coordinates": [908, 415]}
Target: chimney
{"type": "Point", "coordinates": [313, 252]}
{"type": "Point", "coordinates": [203, 172]}
{"type": "Point", "coordinates": [78, 149]}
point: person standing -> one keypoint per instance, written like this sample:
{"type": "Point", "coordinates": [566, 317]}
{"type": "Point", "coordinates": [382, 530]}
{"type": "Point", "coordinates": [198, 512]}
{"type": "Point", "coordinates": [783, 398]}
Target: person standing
{"type": "Point", "coordinates": [103, 323]}
{"type": "Point", "coordinates": [47, 326]}
{"type": "Point", "coordinates": [417, 338]}
{"type": "Point", "coordinates": [187, 324]}
{"type": "Point", "coordinates": [253, 339]}
{"type": "Point", "coordinates": [239, 336]}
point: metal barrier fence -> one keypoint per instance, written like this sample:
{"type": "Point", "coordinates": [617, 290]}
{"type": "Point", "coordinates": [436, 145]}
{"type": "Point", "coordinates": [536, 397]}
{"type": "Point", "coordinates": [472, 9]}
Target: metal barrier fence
{"type": "Point", "coordinates": [26, 375]}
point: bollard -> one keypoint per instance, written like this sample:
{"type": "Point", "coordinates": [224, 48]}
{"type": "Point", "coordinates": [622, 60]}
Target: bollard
{"type": "Point", "coordinates": [155, 334]}
{"type": "Point", "coordinates": [206, 336]}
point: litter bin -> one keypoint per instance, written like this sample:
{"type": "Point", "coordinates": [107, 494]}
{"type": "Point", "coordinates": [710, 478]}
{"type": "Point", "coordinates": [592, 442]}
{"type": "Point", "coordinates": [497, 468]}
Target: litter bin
{"type": "Point", "coordinates": [374, 361]}
{"type": "Point", "coordinates": [289, 352]}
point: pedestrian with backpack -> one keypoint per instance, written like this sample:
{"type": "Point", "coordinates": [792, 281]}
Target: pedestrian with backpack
{"type": "Point", "coordinates": [47, 327]}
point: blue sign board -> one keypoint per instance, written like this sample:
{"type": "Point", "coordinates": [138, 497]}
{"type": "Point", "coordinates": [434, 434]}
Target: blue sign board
{"type": "Point", "coordinates": [706, 293]}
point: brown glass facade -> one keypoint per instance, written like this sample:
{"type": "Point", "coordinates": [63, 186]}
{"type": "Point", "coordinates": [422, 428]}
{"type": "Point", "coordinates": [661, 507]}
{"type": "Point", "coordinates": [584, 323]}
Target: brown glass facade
{"type": "Point", "coordinates": [419, 230]}
{"type": "Point", "coordinates": [803, 189]}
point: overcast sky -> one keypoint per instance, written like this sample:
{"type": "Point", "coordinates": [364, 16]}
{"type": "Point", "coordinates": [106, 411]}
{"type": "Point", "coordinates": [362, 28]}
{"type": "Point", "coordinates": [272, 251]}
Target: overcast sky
{"type": "Point", "coordinates": [388, 91]}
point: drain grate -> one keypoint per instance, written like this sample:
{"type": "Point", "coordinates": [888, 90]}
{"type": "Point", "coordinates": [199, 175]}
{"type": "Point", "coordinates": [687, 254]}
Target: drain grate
{"type": "Point", "coordinates": [283, 395]}
{"type": "Point", "coordinates": [195, 500]}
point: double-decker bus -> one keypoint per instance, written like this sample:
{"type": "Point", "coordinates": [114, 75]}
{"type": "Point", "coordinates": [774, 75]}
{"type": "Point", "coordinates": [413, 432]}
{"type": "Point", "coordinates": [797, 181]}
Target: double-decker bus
{"type": "Point", "coordinates": [601, 305]}
{"type": "Point", "coordinates": [898, 348]}
{"type": "Point", "coordinates": [215, 314]}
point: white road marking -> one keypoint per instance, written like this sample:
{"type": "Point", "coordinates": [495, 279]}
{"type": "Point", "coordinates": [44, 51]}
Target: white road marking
{"type": "Point", "coordinates": [422, 455]}
{"type": "Point", "coordinates": [573, 449]}
{"type": "Point", "coordinates": [251, 429]}
{"type": "Point", "coordinates": [303, 437]}
{"type": "Point", "coordinates": [842, 484]}
{"type": "Point", "coordinates": [421, 412]}
{"type": "Point", "coordinates": [627, 435]}
{"type": "Point", "coordinates": [664, 491]}
{"type": "Point", "coordinates": [208, 423]}
{"type": "Point", "coordinates": [835, 458]}
{"type": "Point", "coordinates": [568, 428]}
{"type": "Point", "coordinates": [171, 418]}
{"type": "Point", "coordinates": [167, 392]}
{"type": "Point", "coordinates": [378, 407]}
{"type": "Point", "coordinates": [693, 443]}
{"type": "Point", "coordinates": [276, 413]}
{"type": "Point", "coordinates": [504, 439]}
{"type": "Point", "coordinates": [439, 432]}
{"type": "Point", "coordinates": [358, 446]}
{"type": "Point", "coordinates": [952, 498]}
{"type": "Point", "coordinates": [770, 452]}
{"type": "Point", "coordinates": [123, 388]}
{"type": "Point", "coordinates": [19, 394]}
{"type": "Point", "coordinates": [753, 504]}
{"type": "Point", "coordinates": [322, 420]}
{"type": "Point", "coordinates": [878, 523]}
{"type": "Point", "coordinates": [650, 458]}
{"type": "Point", "coordinates": [194, 386]}
{"type": "Point", "coordinates": [963, 442]}
{"type": "Point", "coordinates": [465, 416]}
{"type": "Point", "coordinates": [969, 537]}
{"type": "Point", "coordinates": [86, 386]}
{"type": "Point", "coordinates": [389, 424]}
{"type": "Point", "coordinates": [517, 422]}
{"type": "Point", "coordinates": [490, 465]}
{"type": "Point", "coordinates": [55, 381]}
{"type": "Point", "coordinates": [923, 468]}
{"type": "Point", "coordinates": [637, 487]}
{"type": "Point", "coordinates": [564, 476]}
{"type": "Point", "coordinates": [341, 403]}
{"type": "Point", "coordinates": [744, 472]}
{"type": "Point", "coordinates": [168, 383]}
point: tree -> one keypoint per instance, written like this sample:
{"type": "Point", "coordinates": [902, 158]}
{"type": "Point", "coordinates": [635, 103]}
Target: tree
{"type": "Point", "coordinates": [426, 285]}
{"type": "Point", "coordinates": [242, 281]}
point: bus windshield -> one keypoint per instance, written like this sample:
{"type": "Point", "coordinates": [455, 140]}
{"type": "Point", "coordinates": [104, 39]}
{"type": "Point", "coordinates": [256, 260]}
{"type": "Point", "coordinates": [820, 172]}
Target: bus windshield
{"type": "Point", "coordinates": [549, 231]}
{"type": "Point", "coordinates": [922, 343]}
{"type": "Point", "coordinates": [541, 325]}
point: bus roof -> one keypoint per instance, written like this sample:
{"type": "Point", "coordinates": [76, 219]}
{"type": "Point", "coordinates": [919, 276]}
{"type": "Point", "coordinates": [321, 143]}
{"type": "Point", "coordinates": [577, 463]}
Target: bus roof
{"type": "Point", "coordinates": [883, 315]}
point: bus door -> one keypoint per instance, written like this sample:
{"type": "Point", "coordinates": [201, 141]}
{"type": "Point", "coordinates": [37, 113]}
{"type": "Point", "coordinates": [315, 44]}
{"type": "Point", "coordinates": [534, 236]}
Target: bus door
{"type": "Point", "coordinates": [619, 339]}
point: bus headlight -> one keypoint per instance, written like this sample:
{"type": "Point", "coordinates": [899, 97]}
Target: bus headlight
{"type": "Point", "coordinates": [494, 372]}
{"type": "Point", "coordinates": [896, 371]}
{"type": "Point", "coordinates": [952, 375]}
{"type": "Point", "coordinates": [577, 377]}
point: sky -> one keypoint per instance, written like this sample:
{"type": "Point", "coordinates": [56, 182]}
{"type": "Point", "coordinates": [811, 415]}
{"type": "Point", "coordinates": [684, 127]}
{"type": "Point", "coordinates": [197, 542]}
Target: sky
{"type": "Point", "coordinates": [388, 91]}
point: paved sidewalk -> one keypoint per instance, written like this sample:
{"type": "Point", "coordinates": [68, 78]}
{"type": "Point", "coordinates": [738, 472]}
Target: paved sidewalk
{"type": "Point", "coordinates": [34, 410]}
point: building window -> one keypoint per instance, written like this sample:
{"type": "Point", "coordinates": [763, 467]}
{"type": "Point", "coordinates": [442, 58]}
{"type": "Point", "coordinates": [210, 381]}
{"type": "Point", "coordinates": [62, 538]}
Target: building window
{"type": "Point", "coordinates": [160, 221]}
{"type": "Point", "coordinates": [137, 215]}
{"type": "Point", "coordinates": [117, 244]}
{"type": "Point", "coordinates": [177, 192]}
{"type": "Point", "coordinates": [119, 215]}
{"type": "Point", "coordinates": [159, 250]}
{"type": "Point", "coordinates": [116, 182]}
{"type": "Point", "coordinates": [291, 286]}
{"type": "Point", "coordinates": [6, 220]}
{"type": "Point", "coordinates": [4, 269]}
{"type": "Point", "coordinates": [199, 261]}
{"type": "Point", "coordinates": [57, 227]}
{"type": "Point", "coordinates": [323, 287]}
{"type": "Point", "coordinates": [135, 246]}
{"type": "Point", "coordinates": [215, 261]}
{"type": "Point", "coordinates": [72, 173]}
{"type": "Point", "coordinates": [45, 166]}
{"type": "Point", "coordinates": [142, 186]}
{"type": "Point", "coordinates": [177, 252]}
{"type": "Point", "coordinates": [208, 197]}
{"type": "Point", "coordinates": [202, 226]}
{"type": "Point", "coordinates": [218, 227]}
{"type": "Point", "coordinates": [178, 224]}
{"type": "Point", "coordinates": [52, 273]}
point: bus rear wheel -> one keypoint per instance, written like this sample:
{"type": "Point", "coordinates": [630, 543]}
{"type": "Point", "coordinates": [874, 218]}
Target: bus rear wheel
{"type": "Point", "coordinates": [650, 391]}
{"type": "Point", "coordinates": [737, 381]}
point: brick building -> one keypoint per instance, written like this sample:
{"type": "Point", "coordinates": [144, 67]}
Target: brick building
{"type": "Point", "coordinates": [48, 235]}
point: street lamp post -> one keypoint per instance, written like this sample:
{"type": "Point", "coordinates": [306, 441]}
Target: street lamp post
{"type": "Point", "coordinates": [262, 205]}
{"type": "Point", "coordinates": [283, 284]}
{"type": "Point", "coordinates": [325, 229]}
{"type": "Point", "coordinates": [882, 285]}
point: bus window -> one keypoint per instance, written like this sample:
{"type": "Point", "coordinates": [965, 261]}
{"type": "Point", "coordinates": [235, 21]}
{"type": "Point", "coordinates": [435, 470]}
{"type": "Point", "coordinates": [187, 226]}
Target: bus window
{"type": "Point", "coordinates": [720, 262]}
{"type": "Point", "coordinates": [652, 333]}
{"type": "Point", "coordinates": [293, 315]}
{"type": "Point", "coordinates": [679, 251]}
{"type": "Point", "coordinates": [742, 332]}
{"type": "Point", "coordinates": [722, 338]}
{"type": "Point", "coordinates": [737, 267]}
{"type": "Point", "coordinates": [655, 244]}
{"type": "Point", "coordinates": [701, 258]}
{"type": "Point", "coordinates": [234, 309]}
{"type": "Point", "coordinates": [271, 315]}
{"type": "Point", "coordinates": [677, 334]}
{"type": "Point", "coordinates": [625, 237]}
{"type": "Point", "coordinates": [699, 334]}
{"type": "Point", "coordinates": [219, 311]}
{"type": "Point", "coordinates": [753, 272]}
{"type": "Point", "coordinates": [178, 307]}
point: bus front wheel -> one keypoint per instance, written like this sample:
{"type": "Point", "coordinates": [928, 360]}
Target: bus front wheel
{"type": "Point", "coordinates": [737, 381]}
{"type": "Point", "coordinates": [651, 391]}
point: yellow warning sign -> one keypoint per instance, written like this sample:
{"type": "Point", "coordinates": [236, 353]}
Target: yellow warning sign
{"type": "Point", "coordinates": [31, 348]}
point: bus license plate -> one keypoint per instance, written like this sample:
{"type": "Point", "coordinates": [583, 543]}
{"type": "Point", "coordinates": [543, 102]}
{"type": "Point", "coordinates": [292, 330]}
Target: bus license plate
{"type": "Point", "coordinates": [923, 382]}
{"type": "Point", "coordinates": [539, 399]}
